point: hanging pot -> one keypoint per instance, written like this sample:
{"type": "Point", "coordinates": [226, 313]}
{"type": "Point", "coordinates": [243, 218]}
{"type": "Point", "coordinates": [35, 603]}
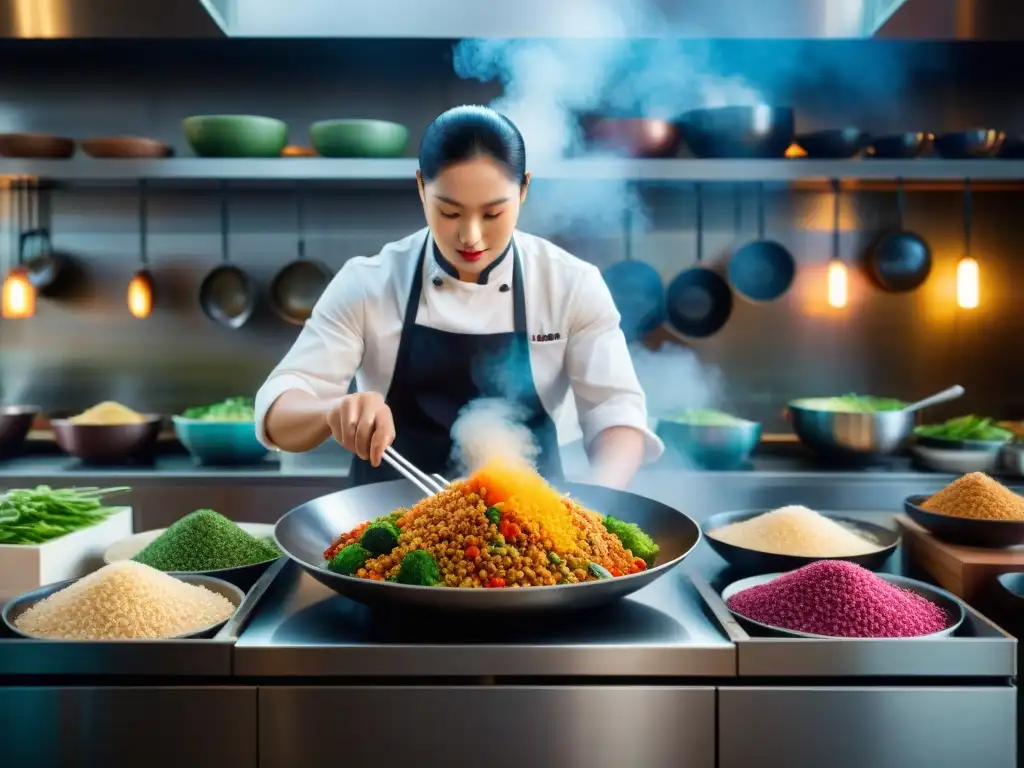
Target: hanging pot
{"type": "Point", "coordinates": [764, 269]}
{"type": "Point", "coordinates": [43, 265]}
{"type": "Point", "coordinates": [636, 288]}
{"type": "Point", "coordinates": [699, 301]}
{"type": "Point", "coordinates": [226, 294]}
{"type": "Point", "coordinates": [298, 285]}
{"type": "Point", "coordinates": [899, 261]}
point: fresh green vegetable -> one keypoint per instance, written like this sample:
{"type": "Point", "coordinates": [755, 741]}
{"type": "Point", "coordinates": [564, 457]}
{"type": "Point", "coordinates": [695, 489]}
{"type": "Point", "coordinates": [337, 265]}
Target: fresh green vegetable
{"type": "Point", "coordinates": [380, 538]}
{"type": "Point", "coordinates": [37, 515]}
{"type": "Point", "coordinates": [232, 409]}
{"type": "Point", "coordinates": [391, 517]}
{"type": "Point", "coordinates": [205, 541]}
{"type": "Point", "coordinates": [706, 417]}
{"type": "Point", "coordinates": [554, 559]}
{"type": "Point", "coordinates": [968, 427]}
{"type": "Point", "coordinates": [419, 568]}
{"type": "Point", "coordinates": [851, 404]}
{"type": "Point", "coordinates": [349, 560]}
{"type": "Point", "coordinates": [633, 538]}
{"type": "Point", "coordinates": [600, 571]}
{"type": "Point", "coordinates": [493, 515]}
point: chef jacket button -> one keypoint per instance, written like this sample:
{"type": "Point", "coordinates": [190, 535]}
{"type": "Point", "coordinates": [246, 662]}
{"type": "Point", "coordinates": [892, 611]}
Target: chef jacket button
{"type": "Point", "coordinates": [558, 336]}
{"type": "Point", "coordinates": [438, 282]}
{"type": "Point", "coordinates": [504, 288]}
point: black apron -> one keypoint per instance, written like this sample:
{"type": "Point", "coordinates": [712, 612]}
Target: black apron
{"type": "Point", "coordinates": [439, 372]}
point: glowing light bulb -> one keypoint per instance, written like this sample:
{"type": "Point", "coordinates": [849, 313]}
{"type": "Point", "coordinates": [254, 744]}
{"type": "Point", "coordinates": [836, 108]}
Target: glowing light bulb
{"type": "Point", "coordinates": [140, 295]}
{"type": "Point", "coordinates": [837, 288]}
{"type": "Point", "coordinates": [18, 300]}
{"type": "Point", "coordinates": [967, 284]}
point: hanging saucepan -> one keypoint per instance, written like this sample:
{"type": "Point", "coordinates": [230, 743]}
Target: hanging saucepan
{"type": "Point", "coordinates": [43, 266]}
{"type": "Point", "coordinates": [699, 301]}
{"type": "Point", "coordinates": [297, 286]}
{"type": "Point", "coordinates": [899, 260]}
{"type": "Point", "coordinates": [636, 288]}
{"type": "Point", "coordinates": [762, 270]}
{"type": "Point", "coordinates": [226, 294]}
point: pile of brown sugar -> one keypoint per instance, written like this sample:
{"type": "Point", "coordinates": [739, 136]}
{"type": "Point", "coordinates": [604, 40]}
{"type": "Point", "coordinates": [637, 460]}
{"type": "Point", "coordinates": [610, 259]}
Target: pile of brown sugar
{"type": "Point", "coordinates": [979, 497]}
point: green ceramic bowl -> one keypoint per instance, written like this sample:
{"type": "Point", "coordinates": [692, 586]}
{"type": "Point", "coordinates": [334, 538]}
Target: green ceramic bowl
{"type": "Point", "coordinates": [235, 135]}
{"type": "Point", "coordinates": [358, 138]}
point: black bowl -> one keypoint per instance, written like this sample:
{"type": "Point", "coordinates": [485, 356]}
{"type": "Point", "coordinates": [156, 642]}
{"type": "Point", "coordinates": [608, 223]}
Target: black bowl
{"type": "Point", "coordinates": [900, 146]}
{"type": "Point", "coordinates": [973, 144]}
{"type": "Point", "coordinates": [963, 530]}
{"type": "Point", "coordinates": [759, 131]}
{"type": "Point", "coordinates": [756, 562]}
{"type": "Point", "coordinates": [834, 144]}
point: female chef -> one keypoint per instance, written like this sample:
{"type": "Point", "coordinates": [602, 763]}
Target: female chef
{"type": "Point", "coordinates": [467, 308]}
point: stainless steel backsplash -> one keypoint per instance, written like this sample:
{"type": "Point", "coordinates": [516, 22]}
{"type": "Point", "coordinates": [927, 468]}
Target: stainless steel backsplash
{"type": "Point", "coordinates": [83, 348]}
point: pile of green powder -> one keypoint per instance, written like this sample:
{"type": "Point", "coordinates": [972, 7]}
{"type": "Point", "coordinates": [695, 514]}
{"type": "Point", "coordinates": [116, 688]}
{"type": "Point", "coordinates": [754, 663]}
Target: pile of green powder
{"type": "Point", "coordinates": [205, 541]}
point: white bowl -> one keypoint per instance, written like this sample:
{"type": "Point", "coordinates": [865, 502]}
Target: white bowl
{"type": "Point", "coordinates": [126, 549]}
{"type": "Point", "coordinates": [957, 462]}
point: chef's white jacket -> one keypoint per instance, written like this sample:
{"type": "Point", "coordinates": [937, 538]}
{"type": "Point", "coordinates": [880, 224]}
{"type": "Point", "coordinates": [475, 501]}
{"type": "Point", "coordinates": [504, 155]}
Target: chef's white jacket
{"type": "Point", "coordinates": [356, 326]}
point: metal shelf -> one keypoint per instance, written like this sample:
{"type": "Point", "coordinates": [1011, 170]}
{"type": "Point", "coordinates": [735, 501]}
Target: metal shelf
{"type": "Point", "coordinates": [86, 170]}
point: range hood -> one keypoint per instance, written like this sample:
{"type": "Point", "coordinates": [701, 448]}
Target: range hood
{"type": "Point", "coordinates": [457, 19]}
{"type": "Point", "coordinates": [111, 18]}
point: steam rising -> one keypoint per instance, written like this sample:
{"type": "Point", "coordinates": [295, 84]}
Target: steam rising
{"type": "Point", "coordinates": [674, 380]}
{"type": "Point", "coordinates": [492, 430]}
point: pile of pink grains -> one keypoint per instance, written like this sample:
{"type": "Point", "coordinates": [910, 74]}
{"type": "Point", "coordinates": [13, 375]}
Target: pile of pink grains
{"type": "Point", "coordinates": [839, 599]}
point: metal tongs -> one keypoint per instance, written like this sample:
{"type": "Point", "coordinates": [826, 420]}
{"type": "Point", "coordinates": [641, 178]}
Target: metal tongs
{"type": "Point", "coordinates": [429, 484]}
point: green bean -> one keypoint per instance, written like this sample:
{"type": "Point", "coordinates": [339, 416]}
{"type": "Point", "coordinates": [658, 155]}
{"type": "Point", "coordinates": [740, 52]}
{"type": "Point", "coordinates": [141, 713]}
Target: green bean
{"type": "Point", "coordinates": [37, 515]}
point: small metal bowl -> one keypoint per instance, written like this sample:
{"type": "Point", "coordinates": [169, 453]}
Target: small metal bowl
{"type": "Point", "coordinates": [756, 561]}
{"type": "Point", "coordinates": [711, 447]}
{"type": "Point", "coordinates": [854, 437]}
{"type": "Point", "coordinates": [952, 605]}
{"type": "Point", "coordinates": [972, 144]}
{"type": "Point", "coordinates": [108, 443]}
{"type": "Point", "coordinates": [242, 576]}
{"type": "Point", "coordinates": [992, 534]}
{"type": "Point", "coordinates": [900, 146]}
{"type": "Point", "coordinates": [22, 603]}
{"type": "Point", "coordinates": [15, 423]}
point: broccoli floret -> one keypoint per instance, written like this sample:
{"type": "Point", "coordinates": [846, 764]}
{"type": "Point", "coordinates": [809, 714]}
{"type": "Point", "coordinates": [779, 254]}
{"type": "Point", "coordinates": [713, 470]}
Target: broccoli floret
{"type": "Point", "coordinates": [419, 568]}
{"type": "Point", "coordinates": [380, 538]}
{"type": "Point", "coordinates": [633, 538]}
{"type": "Point", "coordinates": [493, 515]}
{"type": "Point", "coordinates": [349, 560]}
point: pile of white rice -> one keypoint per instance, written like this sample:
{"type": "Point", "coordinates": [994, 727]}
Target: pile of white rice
{"type": "Point", "coordinates": [795, 530]}
{"type": "Point", "coordinates": [125, 601]}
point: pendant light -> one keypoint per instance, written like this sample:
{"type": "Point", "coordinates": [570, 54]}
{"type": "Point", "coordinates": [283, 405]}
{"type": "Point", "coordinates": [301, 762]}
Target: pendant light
{"type": "Point", "coordinates": [18, 295]}
{"type": "Point", "coordinates": [967, 272]}
{"type": "Point", "coordinates": [140, 288]}
{"type": "Point", "coordinates": [837, 273]}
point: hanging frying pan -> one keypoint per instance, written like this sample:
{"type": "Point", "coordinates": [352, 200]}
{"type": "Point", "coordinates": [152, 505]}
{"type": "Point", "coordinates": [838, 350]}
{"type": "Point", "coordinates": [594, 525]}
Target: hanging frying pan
{"type": "Point", "coordinates": [226, 294]}
{"type": "Point", "coordinates": [762, 270]}
{"type": "Point", "coordinates": [899, 260]}
{"type": "Point", "coordinates": [297, 285]}
{"type": "Point", "coordinates": [636, 288]}
{"type": "Point", "coordinates": [699, 301]}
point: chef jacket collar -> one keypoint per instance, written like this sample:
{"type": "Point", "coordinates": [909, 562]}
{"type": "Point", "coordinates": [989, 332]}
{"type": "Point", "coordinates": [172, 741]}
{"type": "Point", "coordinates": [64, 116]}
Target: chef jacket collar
{"type": "Point", "coordinates": [440, 263]}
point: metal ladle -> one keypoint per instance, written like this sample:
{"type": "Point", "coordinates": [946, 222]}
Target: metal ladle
{"type": "Point", "coordinates": [940, 397]}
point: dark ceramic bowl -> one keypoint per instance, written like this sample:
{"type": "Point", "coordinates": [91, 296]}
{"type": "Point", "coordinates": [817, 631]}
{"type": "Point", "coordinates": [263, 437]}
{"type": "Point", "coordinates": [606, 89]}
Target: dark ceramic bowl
{"type": "Point", "coordinates": [15, 423]}
{"type": "Point", "coordinates": [108, 443]}
{"type": "Point", "coordinates": [754, 561]}
{"type": "Point", "coordinates": [759, 131]}
{"type": "Point", "coordinates": [992, 534]}
{"type": "Point", "coordinates": [22, 603]}
{"type": "Point", "coordinates": [899, 146]}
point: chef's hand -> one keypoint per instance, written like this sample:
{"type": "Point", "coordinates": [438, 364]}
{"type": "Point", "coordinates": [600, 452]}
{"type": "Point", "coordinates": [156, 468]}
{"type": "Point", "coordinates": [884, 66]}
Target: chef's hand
{"type": "Point", "coordinates": [363, 424]}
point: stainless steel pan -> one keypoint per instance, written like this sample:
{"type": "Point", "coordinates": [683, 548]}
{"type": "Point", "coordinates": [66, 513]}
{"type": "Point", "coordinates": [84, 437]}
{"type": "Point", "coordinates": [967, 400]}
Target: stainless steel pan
{"type": "Point", "coordinates": [304, 533]}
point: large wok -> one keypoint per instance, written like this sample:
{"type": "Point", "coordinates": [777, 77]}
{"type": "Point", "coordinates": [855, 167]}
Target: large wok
{"type": "Point", "coordinates": [305, 532]}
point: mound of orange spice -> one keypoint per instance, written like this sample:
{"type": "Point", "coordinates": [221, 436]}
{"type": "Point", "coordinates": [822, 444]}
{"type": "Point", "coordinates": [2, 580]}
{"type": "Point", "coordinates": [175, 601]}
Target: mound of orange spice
{"type": "Point", "coordinates": [977, 496]}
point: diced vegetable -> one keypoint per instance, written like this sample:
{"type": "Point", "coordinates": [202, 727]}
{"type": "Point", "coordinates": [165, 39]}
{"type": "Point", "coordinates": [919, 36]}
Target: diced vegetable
{"type": "Point", "coordinates": [232, 409]}
{"type": "Point", "coordinates": [600, 571]}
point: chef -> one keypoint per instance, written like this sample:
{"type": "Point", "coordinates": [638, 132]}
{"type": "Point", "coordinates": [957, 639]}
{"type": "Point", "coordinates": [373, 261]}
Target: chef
{"type": "Point", "coordinates": [467, 308]}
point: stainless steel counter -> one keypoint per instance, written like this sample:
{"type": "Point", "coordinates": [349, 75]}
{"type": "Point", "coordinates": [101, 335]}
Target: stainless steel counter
{"type": "Point", "coordinates": [302, 629]}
